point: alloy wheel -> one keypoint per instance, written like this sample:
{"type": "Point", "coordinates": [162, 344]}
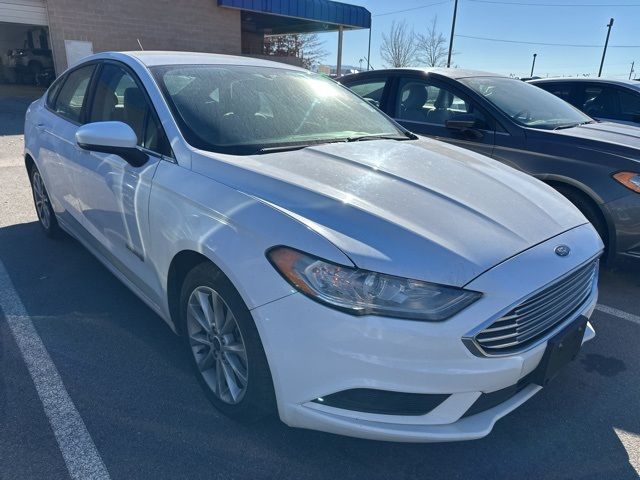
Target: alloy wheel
{"type": "Point", "coordinates": [42, 201]}
{"type": "Point", "coordinates": [217, 345]}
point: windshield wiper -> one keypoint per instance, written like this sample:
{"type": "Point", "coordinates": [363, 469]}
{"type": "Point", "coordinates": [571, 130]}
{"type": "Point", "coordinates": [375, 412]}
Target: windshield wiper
{"type": "Point", "coordinates": [571, 125]}
{"type": "Point", "coordinates": [282, 148]}
{"type": "Point", "coordinates": [406, 136]}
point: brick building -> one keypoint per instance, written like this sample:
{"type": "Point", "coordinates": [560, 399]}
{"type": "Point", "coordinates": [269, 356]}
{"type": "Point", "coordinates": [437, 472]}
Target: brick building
{"type": "Point", "coordinates": [72, 29]}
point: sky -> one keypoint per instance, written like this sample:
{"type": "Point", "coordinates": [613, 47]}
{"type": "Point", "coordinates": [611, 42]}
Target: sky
{"type": "Point", "coordinates": [546, 21]}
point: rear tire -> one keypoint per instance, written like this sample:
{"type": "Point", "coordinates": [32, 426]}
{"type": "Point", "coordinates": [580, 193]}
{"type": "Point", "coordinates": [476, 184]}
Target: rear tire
{"type": "Point", "coordinates": [46, 215]}
{"type": "Point", "coordinates": [224, 346]}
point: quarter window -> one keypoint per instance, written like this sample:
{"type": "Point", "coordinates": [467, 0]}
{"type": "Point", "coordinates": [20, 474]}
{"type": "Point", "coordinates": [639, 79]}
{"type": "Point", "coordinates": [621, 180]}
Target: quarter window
{"type": "Point", "coordinates": [70, 100]}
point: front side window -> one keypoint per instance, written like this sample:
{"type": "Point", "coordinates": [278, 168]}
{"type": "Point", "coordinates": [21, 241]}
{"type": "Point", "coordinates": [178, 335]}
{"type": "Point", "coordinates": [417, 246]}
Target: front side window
{"type": "Point", "coordinates": [560, 90]}
{"type": "Point", "coordinates": [526, 104]}
{"type": "Point", "coordinates": [119, 98]}
{"type": "Point", "coordinates": [69, 102]}
{"type": "Point", "coordinates": [420, 101]}
{"type": "Point", "coordinates": [371, 89]}
{"type": "Point", "coordinates": [245, 109]}
{"type": "Point", "coordinates": [600, 101]}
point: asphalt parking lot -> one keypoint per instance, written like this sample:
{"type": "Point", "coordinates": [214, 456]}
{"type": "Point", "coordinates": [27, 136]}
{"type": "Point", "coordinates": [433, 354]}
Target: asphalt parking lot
{"type": "Point", "coordinates": [128, 378]}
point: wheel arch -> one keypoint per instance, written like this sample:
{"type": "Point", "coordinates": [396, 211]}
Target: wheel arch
{"type": "Point", "coordinates": [594, 200]}
{"type": "Point", "coordinates": [181, 264]}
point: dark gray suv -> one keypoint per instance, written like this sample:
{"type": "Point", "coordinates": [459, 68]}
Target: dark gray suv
{"type": "Point", "coordinates": [595, 165]}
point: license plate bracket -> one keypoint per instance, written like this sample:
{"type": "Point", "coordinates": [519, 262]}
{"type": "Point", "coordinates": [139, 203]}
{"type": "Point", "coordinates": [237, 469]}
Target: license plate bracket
{"type": "Point", "coordinates": [561, 349]}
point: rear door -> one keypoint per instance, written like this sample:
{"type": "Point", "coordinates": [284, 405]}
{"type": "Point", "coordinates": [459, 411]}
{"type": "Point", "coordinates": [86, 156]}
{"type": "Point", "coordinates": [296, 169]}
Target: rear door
{"type": "Point", "coordinates": [59, 126]}
{"type": "Point", "coordinates": [115, 194]}
{"type": "Point", "coordinates": [424, 105]}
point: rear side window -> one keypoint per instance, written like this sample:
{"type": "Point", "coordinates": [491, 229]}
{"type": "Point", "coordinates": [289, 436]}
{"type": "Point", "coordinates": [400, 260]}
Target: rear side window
{"type": "Point", "coordinates": [69, 102]}
{"type": "Point", "coordinates": [371, 89]}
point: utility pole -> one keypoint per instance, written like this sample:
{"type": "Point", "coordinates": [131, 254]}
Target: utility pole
{"type": "Point", "coordinates": [606, 43]}
{"type": "Point", "coordinates": [369, 52]}
{"type": "Point", "coordinates": [453, 31]}
{"type": "Point", "coordinates": [533, 65]}
{"type": "Point", "coordinates": [632, 70]}
{"type": "Point", "coordinates": [339, 65]}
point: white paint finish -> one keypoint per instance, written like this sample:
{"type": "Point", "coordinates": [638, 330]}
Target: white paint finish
{"type": "Point", "coordinates": [405, 208]}
{"type": "Point", "coordinates": [107, 134]}
{"type": "Point", "coordinates": [76, 445]}
{"type": "Point", "coordinates": [28, 12]}
{"type": "Point", "coordinates": [630, 317]}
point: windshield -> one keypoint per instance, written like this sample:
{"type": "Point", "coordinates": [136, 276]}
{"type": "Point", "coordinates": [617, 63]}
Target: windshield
{"type": "Point", "coordinates": [244, 109]}
{"type": "Point", "coordinates": [526, 104]}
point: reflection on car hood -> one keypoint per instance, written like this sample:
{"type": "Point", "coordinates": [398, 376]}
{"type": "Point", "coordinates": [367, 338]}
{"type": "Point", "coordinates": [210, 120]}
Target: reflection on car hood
{"type": "Point", "coordinates": [420, 209]}
{"type": "Point", "coordinates": [612, 134]}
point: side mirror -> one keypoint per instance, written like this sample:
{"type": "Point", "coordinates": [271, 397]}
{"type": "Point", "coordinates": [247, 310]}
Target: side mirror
{"type": "Point", "coordinates": [112, 137]}
{"type": "Point", "coordinates": [373, 102]}
{"type": "Point", "coordinates": [461, 121]}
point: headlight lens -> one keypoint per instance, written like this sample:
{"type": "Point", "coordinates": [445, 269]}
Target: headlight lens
{"type": "Point", "coordinates": [361, 292]}
{"type": "Point", "coordinates": [630, 180]}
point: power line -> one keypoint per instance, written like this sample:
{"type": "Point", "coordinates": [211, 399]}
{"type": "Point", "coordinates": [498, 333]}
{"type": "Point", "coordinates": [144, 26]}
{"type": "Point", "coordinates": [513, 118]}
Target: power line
{"type": "Point", "coordinates": [411, 9]}
{"type": "Point", "coordinates": [579, 45]}
{"type": "Point", "coordinates": [530, 4]}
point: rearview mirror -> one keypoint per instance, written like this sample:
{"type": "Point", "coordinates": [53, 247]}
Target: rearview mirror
{"type": "Point", "coordinates": [461, 121]}
{"type": "Point", "coordinates": [112, 137]}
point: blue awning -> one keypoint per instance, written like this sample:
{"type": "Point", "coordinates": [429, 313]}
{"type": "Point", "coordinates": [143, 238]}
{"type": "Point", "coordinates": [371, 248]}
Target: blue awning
{"type": "Point", "coordinates": [325, 13]}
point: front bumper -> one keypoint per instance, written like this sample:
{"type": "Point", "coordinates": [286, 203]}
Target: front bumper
{"type": "Point", "coordinates": [314, 351]}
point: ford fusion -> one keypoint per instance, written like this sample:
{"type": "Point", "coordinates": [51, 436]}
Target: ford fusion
{"type": "Point", "coordinates": [318, 260]}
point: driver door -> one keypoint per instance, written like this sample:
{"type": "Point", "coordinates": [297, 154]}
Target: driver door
{"type": "Point", "coordinates": [114, 194]}
{"type": "Point", "coordinates": [424, 106]}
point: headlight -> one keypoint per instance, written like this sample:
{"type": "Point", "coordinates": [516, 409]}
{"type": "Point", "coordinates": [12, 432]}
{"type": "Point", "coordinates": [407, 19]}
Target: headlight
{"type": "Point", "coordinates": [361, 292]}
{"type": "Point", "coordinates": [629, 179]}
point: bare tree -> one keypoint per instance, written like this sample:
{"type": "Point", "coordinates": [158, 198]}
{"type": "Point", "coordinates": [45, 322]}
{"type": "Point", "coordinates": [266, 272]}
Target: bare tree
{"type": "Point", "coordinates": [307, 47]}
{"type": "Point", "coordinates": [399, 47]}
{"type": "Point", "coordinates": [432, 47]}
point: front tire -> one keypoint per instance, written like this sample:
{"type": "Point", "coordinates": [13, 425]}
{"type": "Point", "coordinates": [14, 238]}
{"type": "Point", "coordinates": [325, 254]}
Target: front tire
{"type": "Point", "coordinates": [46, 215]}
{"type": "Point", "coordinates": [224, 346]}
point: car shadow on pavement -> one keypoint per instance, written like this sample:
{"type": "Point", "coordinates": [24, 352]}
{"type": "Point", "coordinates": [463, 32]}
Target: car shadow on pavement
{"type": "Point", "coordinates": [130, 380]}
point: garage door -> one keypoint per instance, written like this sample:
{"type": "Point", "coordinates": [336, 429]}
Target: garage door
{"type": "Point", "coordinates": [31, 12]}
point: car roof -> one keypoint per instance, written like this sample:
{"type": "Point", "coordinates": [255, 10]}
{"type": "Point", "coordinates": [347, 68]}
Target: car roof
{"type": "Point", "coordinates": [455, 73]}
{"type": "Point", "coordinates": [610, 81]}
{"type": "Point", "coordinates": [151, 58]}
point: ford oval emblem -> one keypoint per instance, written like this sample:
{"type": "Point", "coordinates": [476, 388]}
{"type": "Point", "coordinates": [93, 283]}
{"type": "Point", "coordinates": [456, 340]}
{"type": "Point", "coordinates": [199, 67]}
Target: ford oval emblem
{"type": "Point", "coordinates": [562, 250]}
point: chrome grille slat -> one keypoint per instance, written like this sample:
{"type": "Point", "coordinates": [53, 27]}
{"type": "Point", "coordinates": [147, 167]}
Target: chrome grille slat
{"type": "Point", "coordinates": [577, 298]}
{"type": "Point", "coordinates": [522, 327]}
{"type": "Point", "coordinates": [537, 315]}
{"type": "Point", "coordinates": [552, 295]}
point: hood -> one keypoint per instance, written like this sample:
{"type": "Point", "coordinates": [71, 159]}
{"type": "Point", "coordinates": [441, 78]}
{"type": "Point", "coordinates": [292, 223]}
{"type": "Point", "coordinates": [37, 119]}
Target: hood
{"type": "Point", "coordinates": [613, 137]}
{"type": "Point", "coordinates": [418, 209]}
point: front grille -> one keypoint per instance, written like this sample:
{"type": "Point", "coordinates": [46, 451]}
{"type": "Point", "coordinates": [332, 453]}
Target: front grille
{"type": "Point", "coordinates": [539, 314]}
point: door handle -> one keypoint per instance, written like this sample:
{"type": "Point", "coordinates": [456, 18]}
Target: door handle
{"type": "Point", "coordinates": [41, 126]}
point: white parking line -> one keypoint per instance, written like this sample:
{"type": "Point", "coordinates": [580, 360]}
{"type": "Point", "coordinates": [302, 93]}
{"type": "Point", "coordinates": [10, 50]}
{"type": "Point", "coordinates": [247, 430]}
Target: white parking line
{"type": "Point", "coordinates": [78, 450]}
{"type": "Point", "coordinates": [619, 313]}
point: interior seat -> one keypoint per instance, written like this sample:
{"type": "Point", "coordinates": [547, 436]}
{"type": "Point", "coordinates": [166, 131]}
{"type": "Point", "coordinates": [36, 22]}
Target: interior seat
{"type": "Point", "coordinates": [412, 108]}
{"type": "Point", "coordinates": [441, 113]}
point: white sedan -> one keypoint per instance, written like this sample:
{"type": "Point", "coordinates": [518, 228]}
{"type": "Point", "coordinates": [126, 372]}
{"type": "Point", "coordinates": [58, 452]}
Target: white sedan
{"type": "Point", "coordinates": [318, 259]}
